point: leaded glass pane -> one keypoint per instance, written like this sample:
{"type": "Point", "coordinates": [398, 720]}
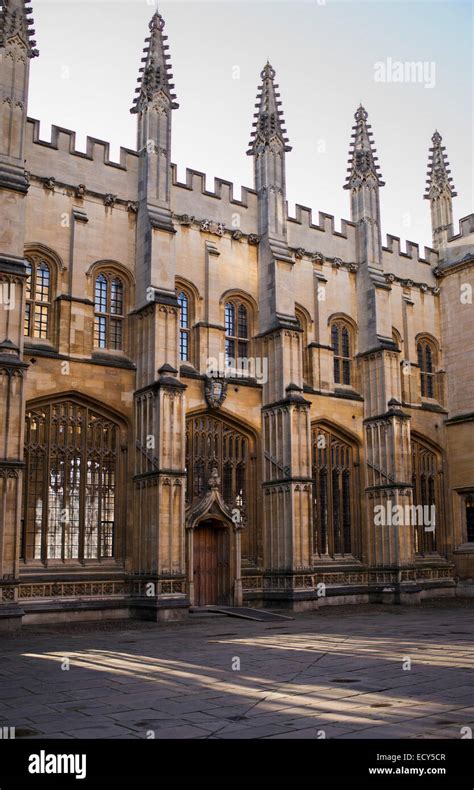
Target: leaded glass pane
{"type": "Point", "coordinates": [42, 292]}
{"type": "Point", "coordinates": [101, 294]}
{"type": "Point", "coordinates": [183, 312]}
{"type": "Point", "coordinates": [116, 297]}
{"type": "Point", "coordinates": [242, 321]}
{"type": "Point", "coordinates": [230, 319]}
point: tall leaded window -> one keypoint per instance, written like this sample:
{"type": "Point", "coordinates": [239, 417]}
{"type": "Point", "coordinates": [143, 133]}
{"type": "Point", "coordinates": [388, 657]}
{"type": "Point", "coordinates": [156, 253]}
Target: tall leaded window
{"type": "Point", "coordinates": [236, 332]}
{"type": "Point", "coordinates": [334, 493]}
{"type": "Point", "coordinates": [425, 473]}
{"type": "Point", "coordinates": [427, 363]}
{"type": "Point", "coordinates": [184, 327]}
{"type": "Point", "coordinates": [69, 507]}
{"type": "Point", "coordinates": [341, 344]}
{"type": "Point", "coordinates": [38, 299]}
{"type": "Point", "coordinates": [211, 443]}
{"type": "Point", "coordinates": [109, 311]}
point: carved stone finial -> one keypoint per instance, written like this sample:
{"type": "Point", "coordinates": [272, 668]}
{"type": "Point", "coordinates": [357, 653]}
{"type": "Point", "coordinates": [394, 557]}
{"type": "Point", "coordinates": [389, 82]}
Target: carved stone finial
{"type": "Point", "coordinates": [157, 22]}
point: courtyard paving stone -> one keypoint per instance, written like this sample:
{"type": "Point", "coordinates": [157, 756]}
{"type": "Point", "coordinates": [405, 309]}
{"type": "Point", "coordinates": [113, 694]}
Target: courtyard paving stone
{"type": "Point", "coordinates": [338, 670]}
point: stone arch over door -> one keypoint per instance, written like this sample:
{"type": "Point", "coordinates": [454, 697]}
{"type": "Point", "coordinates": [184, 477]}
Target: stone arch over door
{"type": "Point", "coordinates": [213, 549]}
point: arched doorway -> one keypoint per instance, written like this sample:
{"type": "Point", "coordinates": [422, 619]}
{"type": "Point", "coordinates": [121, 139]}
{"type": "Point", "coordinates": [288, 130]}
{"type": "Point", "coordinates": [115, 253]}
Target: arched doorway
{"type": "Point", "coordinates": [213, 549]}
{"type": "Point", "coordinates": [211, 563]}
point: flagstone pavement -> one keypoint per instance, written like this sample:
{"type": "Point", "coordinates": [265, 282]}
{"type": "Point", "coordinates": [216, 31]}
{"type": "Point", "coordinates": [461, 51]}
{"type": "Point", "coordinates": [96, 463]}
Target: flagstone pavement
{"type": "Point", "coordinates": [341, 672]}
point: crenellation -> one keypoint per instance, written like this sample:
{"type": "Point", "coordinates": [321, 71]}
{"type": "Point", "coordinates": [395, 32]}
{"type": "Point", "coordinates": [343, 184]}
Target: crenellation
{"type": "Point", "coordinates": [223, 188]}
{"type": "Point", "coordinates": [412, 251]}
{"type": "Point", "coordinates": [303, 215]}
{"type": "Point", "coordinates": [466, 228]}
{"type": "Point", "coordinates": [393, 244]}
{"type": "Point", "coordinates": [326, 222]}
{"type": "Point", "coordinates": [62, 139]}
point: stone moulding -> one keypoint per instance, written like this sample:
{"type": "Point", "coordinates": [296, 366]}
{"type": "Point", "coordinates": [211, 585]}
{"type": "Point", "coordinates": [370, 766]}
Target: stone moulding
{"type": "Point", "coordinates": [391, 278]}
{"type": "Point", "coordinates": [62, 589]}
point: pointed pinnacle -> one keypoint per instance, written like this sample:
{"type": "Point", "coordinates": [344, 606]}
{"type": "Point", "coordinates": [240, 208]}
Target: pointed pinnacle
{"type": "Point", "coordinates": [270, 125]}
{"type": "Point", "coordinates": [439, 181]}
{"type": "Point", "coordinates": [15, 20]}
{"type": "Point", "coordinates": [362, 159]}
{"type": "Point", "coordinates": [155, 76]}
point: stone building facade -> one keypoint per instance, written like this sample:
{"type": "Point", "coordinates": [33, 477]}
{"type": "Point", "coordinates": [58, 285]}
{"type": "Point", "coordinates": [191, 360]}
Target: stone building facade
{"type": "Point", "coordinates": [204, 400]}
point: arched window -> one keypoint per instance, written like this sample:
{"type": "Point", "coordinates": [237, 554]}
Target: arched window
{"type": "Point", "coordinates": [425, 472]}
{"type": "Point", "coordinates": [38, 298]}
{"type": "Point", "coordinates": [341, 343]}
{"type": "Point", "coordinates": [335, 493]}
{"type": "Point", "coordinates": [184, 327]}
{"type": "Point", "coordinates": [69, 507]}
{"type": "Point", "coordinates": [236, 333]}
{"type": "Point", "coordinates": [109, 311]}
{"type": "Point", "coordinates": [427, 363]}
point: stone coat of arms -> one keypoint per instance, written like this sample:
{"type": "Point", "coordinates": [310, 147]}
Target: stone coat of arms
{"type": "Point", "coordinates": [215, 391]}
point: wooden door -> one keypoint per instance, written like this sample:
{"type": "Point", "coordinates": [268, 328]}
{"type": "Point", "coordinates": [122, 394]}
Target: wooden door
{"type": "Point", "coordinates": [211, 565]}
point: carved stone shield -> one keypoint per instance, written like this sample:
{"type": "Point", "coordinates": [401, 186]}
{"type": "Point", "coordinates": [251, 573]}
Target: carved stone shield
{"type": "Point", "coordinates": [215, 391]}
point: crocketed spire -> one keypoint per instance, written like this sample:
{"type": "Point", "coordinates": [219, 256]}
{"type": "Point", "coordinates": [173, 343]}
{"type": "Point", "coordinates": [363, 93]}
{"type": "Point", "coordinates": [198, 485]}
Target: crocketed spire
{"type": "Point", "coordinates": [155, 76]}
{"type": "Point", "coordinates": [269, 124]}
{"type": "Point", "coordinates": [15, 20]}
{"type": "Point", "coordinates": [362, 162]}
{"type": "Point", "coordinates": [439, 181]}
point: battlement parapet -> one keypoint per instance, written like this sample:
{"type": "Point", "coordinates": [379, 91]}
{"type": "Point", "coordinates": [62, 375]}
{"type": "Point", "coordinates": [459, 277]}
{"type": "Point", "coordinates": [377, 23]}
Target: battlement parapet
{"type": "Point", "coordinates": [412, 251]}
{"type": "Point", "coordinates": [65, 140]}
{"type": "Point", "coordinates": [466, 228]}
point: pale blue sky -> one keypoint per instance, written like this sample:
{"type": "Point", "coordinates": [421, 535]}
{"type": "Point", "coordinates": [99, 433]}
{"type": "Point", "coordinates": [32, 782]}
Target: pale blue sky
{"type": "Point", "coordinates": [324, 55]}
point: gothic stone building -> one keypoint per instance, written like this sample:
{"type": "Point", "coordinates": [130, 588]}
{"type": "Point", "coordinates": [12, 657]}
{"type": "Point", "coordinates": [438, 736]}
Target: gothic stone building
{"type": "Point", "coordinates": [137, 479]}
